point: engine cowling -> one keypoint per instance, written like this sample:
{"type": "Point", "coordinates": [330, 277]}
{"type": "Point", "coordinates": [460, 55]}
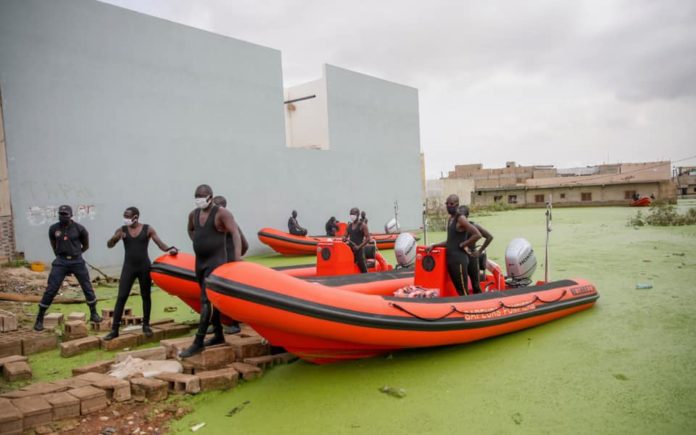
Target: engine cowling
{"type": "Point", "coordinates": [520, 261]}
{"type": "Point", "coordinates": [405, 249]}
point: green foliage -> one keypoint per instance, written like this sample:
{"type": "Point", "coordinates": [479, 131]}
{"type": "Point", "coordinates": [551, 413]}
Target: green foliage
{"type": "Point", "coordinates": [663, 215]}
{"type": "Point", "coordinates": [17, 262]}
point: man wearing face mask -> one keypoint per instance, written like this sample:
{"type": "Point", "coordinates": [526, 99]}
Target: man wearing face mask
{"type": "Point", "coordinates": [229, 247]}
{"type": "Point", "coordinates": [294, 226]}
{"type": "Point", "coordinates": [357, 236]}
{"type": "Point", "coordinates": [136, 265]}
{"type": "Point", "coordinates": [68, 241]}
{"type": "Point", "coordinates": [207, 226]}
{"type": "Point", "coordinates": [461, 238]}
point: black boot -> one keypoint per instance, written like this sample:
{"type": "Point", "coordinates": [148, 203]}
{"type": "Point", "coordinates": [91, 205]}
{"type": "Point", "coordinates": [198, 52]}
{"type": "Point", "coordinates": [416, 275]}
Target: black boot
{"type": "Point", "coordinates": [218, 338]}
{"type": "Point", "coordinates": [38, 325]}
{"type": "Point", "coordinates": [196, 347]}
{"type": "Point", "coordinates": [147, 330]}
{"type": "Point", "coordinates": [93, 315]}
{"type": "Point", "coordinates": [111, 335]}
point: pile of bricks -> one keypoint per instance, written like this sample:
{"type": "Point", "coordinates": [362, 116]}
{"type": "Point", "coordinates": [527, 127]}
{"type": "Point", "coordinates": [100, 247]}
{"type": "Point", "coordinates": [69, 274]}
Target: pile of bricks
{"type": "Point", "coordinates": [25, 342]}
{"type": "Point", "coordinates": [8, 321]}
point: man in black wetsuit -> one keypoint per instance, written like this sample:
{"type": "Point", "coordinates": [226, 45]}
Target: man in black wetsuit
{"type": "Point", "coordinates": [207, 226]}
{"type": "Point", "coordinates": [357, 236]}
{"type": "Point", "coordinates": [136, 265]}
{"type": "Point", "coordinates": [221, 201]}
{"type": "Point", "coordinates": [294, 227]}
{"type": "Point", "coordinates": [461, 236]}
{"type": "Point", "coordinates": [68, 241]}
{"type": "Point", "coordinates": [363, 217]}
{"type": "Point", "coordinates": [477, 256]}
{"type": "Point", "coordinates": [331, 226]}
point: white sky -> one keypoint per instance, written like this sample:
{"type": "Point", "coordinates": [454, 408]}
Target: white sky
{"type": "Point", "coordinates": [567, 83]}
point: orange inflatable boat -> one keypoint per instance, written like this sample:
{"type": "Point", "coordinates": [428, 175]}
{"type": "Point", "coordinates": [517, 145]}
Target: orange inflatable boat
{"type": "Point", "coordinates": [641, 202]}
{"type": "Point", "coordinates": [323, 326]}
{"type": "Point", "coordinates": [289, 244]}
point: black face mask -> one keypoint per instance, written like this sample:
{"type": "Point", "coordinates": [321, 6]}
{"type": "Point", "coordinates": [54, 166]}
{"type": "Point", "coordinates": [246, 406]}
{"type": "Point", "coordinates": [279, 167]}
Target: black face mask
{"type": "Point", "coordinates": [452, 209]}
{"type": "Point", "coordinates": [64, 220]}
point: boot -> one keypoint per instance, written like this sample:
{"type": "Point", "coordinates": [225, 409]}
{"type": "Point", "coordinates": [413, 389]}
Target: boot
{"type": "Point", "coordinates": [218, 338]}
{"type": "Point", "coordinates": [147, 330]}
{"type": "Point", "coordinates": [38, 325]}
{"type": "Point", "coordinates": [111, 335]}
{"type": "Point", "coordinates": [196, 347]}
{"type": "Point", "coordinates": [93, 315]}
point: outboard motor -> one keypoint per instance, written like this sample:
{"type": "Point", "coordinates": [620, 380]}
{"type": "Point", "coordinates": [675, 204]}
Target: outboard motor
{"type": "Point", "coordinates": [392, 227]}
{"type": "Point", "coordinates": [520, 263]}
{"type": "Point", "coordinates": [405, 249]}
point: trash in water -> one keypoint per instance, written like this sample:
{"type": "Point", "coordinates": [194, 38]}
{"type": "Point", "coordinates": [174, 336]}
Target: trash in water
{"type": "Point", "coordinates": [679, 254]}
{"type": "Point", "coordinates": [170, 309]}
{"type": "Point", "coordinates": [393, 391]}
{"type": "Point", "coordinates": [237, 408]}
{"type": "Point", "coordinates": [196, 427]}
{"type": "Point", "coordinates": [643, 285]}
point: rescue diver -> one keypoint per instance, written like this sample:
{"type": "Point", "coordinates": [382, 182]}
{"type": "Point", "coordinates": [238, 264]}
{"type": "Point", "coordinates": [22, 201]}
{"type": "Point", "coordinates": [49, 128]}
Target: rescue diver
{"type": "Point", "coordinates": [221, 201]}
{"type": "Point", "coordinates": [331, 226]}
{"type": "Point", "coordinates": [294, 227]}
{"type": "Point", "coordinates": [357, 236]}
{"type": "Point", "coordinates": [478, 257]}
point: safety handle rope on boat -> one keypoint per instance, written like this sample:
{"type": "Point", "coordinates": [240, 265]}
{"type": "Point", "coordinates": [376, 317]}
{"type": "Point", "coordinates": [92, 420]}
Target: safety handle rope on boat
{"type": "Point", "coordinates": [501, 305]}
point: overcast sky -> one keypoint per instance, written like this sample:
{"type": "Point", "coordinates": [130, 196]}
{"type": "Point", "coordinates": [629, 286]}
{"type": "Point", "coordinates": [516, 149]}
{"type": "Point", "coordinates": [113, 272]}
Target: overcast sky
{"type": "Point", "coordinates": [567, 83]}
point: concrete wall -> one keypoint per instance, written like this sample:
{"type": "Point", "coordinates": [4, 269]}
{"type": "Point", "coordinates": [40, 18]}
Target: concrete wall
{"type": "Point", "coordinates": [439, 190]}
{"type": "Point", "coordinates": [307, 121]}
{"type": "Point", "coordinates": [107, 108]}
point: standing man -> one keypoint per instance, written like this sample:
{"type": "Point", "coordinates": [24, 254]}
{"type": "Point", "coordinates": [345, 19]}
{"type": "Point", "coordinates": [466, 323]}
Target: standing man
{"type": "Point", "coordinates": [294, 227]}
{"type": "Point", "coordinates": [331, 226]}
{"type": "Point", "coordinates": [207, 226]}
{"type": "Point", "coordinates": [477, 256]}
{"type": "Point", "coordinates": [461, 235]}
{"type": "Point", "coordinates": [68, 241]}
{"type": "Point", "coordinates": [357, 236]}
{"type": "Point", "coordinates": [136, 264]}
{"type": "Point", "coordinates": [220, 201]}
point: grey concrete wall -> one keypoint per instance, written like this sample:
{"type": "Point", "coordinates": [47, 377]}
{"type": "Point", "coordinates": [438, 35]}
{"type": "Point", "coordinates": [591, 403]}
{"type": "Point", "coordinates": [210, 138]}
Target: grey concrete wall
{"type": "Point", "coordinates": [107, 108]}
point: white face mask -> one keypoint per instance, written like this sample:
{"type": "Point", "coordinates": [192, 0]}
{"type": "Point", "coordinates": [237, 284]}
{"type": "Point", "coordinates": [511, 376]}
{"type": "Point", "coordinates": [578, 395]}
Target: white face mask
{"type": "Point", "coordinates": [201, 202]}
{"type": "Point", "coordinates": [353, 217]}
{"type": "Point", "coordinates": [128, 222]}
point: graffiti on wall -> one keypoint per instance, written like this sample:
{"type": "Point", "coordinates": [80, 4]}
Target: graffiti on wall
{"type": "Point", "coordinates": [42, 215]}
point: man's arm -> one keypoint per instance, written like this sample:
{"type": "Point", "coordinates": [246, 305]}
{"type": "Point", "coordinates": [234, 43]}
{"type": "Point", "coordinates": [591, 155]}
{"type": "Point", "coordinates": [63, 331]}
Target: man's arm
{"type": "Point", "coordinates": [190, 228]}
{"type": "Point", "coordinates": [226, 223]}
{"type": "Point", "coordinates": [474, 233]}
{"type": "Point", "coordinates": [151, 233]}
{"type": "Point", "coordinates": [366, 237]}
{"type": "Point", "coordinates": [84, 238]}
{"type": "Point", "coordinates": [486, 235]}
{"type": "Point", "coordinates": [52, 238]}
{"type": "Point", "coordinates": [118, 235]}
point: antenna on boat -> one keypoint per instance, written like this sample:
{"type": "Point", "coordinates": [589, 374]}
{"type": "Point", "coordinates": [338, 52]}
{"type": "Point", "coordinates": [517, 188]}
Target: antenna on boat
{"type": "Point", "coordinates": [549, 207]}
{"type": "Point", "coordinates": [396, 216]}
{"type": "Point", "coordinates": [425, 227]}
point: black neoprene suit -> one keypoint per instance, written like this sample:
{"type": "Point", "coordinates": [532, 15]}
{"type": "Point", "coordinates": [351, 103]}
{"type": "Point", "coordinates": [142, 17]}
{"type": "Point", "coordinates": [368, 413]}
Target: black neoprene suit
{"type": "Point", "coordinates": [457, 259]}
{"type": "Point", "coordinates": [136, 265]}
{"type": "Point", "coordinates": [356, 236]}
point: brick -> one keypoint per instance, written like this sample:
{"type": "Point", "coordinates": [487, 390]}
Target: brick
{"type": "Point", "coordinates": [172, 330]}
{"type": "Point", "coordinates": [72, 382]}
{"type": "Point", "coordinates": [127, 311]}
{"type": "Point", "coordinates": [16, 371]}
{"type": "Point", "coordinates": [157, 335]}
{"type": "Point", "coordinates": [120, 342]}
{"type": "Point", "coordinates": [107, 313]}
{"type": "Point", "coordinates": [8, 322]}
{"type": "Point", "coordinates": [10, 346]}
{"type": "Point", "coordinates": [92, 377]}
{"type": "Point", "coordinates": [246, 371]}
{"type": "Point", "coordinates": [40, 388]}
{"type": "Point", "coordinates": [53, 320]}
{"type": "Point", "coordinates": [104, 325]}
{"type": "Point", "coordinates": [161, 321]}
{"type": "Point", "coordinates": [284, 358]}
{"type": "Point", "coordinates": [11, 358]}
{"type": "Point", "coordinates": [37, 342]}
{"type": "Point", "coordinates": [117, 390]}
{"type": "Point", "coordinates": [92, 399]}
{"type": "Point", "coordinates": [74, 347]}
{"type": "Point", "coordinates": [215, 357]}
{"type": "Point", "coordinates": [175, 345]}
{"type": "Point", "coordinates": [181, 383]}
{"type": "Point", "coordinates": [222, 379]}
{"type": "Point", "coordinates": [11, 419]}
{"type": "Point", "coordinates": [97, 367]}
{"type": "Point", "coordinates": [77, 316]}
{"type": "Point", "coordinates": [153, 390]}
{"type": "Point", "coordinates": [154, 353]}
{"type": "Point", "coordinates": [35, 411]}
{"type": "Point", "coordinates": [64, 405]}
{"type": "Point", "coordinates": [249, 347]}
{"type": "Point", "coordinates": [74, 329]}
{"type": "Point", "coordinates": [262, 362]}
{"type": "Point", "coordinates": [132, 320]}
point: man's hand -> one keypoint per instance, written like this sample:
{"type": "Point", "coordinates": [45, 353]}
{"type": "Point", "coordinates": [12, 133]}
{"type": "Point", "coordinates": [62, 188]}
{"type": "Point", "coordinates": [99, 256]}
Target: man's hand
{"type": "Point", "coordinates": [173, 251]}
{"type": "Point", "coordinates": [428, 249]}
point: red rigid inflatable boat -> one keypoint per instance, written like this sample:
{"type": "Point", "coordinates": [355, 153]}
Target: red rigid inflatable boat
{"type": "Point", "coordinates": [324, 326]}
{"type": "Point", "coordinates": [641, 202]}
{"type": "Point", "coordinates": [289, 244]}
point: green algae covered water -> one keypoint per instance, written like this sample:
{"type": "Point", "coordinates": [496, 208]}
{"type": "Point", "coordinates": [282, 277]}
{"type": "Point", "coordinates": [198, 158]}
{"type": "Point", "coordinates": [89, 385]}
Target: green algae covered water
{"type": "Point", "coordinates": [628, 365]}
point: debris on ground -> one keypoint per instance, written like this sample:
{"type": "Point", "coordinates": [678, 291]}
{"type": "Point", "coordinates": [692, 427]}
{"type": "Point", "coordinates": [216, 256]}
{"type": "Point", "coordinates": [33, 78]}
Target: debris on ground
{"type": "Point", "coordinates": [643, 286]}
{"type": "Point", "coordinates": [237, 408]}
{"type": "Point", "coordinates": [197, 427]}
{"type": "Point", "coordinates": [393, 391]}
{"type": "Point", "coordinates": [170, 309]}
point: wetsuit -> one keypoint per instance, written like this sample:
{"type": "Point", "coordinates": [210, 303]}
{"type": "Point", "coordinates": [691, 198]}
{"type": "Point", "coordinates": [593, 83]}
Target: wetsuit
{"type": "Point", "coordinates": [209, 245]}
{"type": "Point", "coordinates": [457, 259]}
{"type": "Point", "coordinates": [331, 228]}
{"type": "Point", "coordinates": [229, 245]}
{"type": "Point", "coordinates": [356, 236]}
{"type": "Point", "coordinates": [294, 227]}
{"type": "Point", "coordinates": [474, 268]}
{"type": "Point", "coordinates": [136, 265]}
{"type": "Point", "coordinates": [67, 243]}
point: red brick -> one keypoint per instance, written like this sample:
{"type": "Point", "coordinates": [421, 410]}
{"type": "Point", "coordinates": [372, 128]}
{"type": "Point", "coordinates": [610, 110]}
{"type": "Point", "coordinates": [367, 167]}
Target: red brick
{"type": "Point", "coordinates": [215, 357]}
{"type": "Point", "coordinates": [153, 390]}
{"type": "Point", "coordinates": [11, 419]}
{"type": "Point", "coordinates": [104, 325]}
{"type": "Point", "coordinates": [10, 346]}
{"type": "Point", "coordinates": [77, 316]}
{"type": "Point", "coordinates": [11, 358]}
{"type": "Point", "coordinates": [262, 362]}
{"type": "Point", "coordinates": [120, 342]}
{"type": "Point", "coordinates": [117, 390]}
{"type": "Point", "coordinates": [181, 383]}
{"type": "Point", "coordinates": [97, 367]}
{"type": "Point", "coordinates": [64, 405]}
{"type": "Point", "coordinates": [107, 313]}
{"type": "Point", "coordinates": [153, 353]}
{"type": "Point", "coordinates": [92, 399]}
{"type": "Point", "coordinates": [74, 347]}
{"type": "Point", "coordinates": [222, 379]}
{"type": "Point", "coordinates": [35, 411]}
{"type": "Point", "coordinates": [53, 320]}
{"type": "Point", "coordinates": [249, 347]}
{"type": "Point", "coordinates": [74, 329]}
{"type": "Point", "coordinates": [36, 342]}
{"type": "Point", "coordinates": [176, 345]}
{"type": "Point", "coordinates": [246, 371]}
{"type": "Point", "coordinates": [16, 371]}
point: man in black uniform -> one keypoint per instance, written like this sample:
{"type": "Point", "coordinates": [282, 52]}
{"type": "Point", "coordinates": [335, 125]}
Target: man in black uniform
{"type": "Point", "coordinates": [477, 256]}
{"type": "Point", "coordinates": [68, 241]}
{"type": "Point", "coordinates": [461, 236]}
{"type": "Point", "coordinates": [294, 227]}
{"type": "Point", "coordinates": [207, 227]}
{"type": "Point", "coordinates": [222, 202]}
{"type": "Point", "coordinates": [331, 226]}
{"type": "Point", "coordinates": [363, 217]}
{"type": "Point", "coordinates": [136, 265]}
{"type": "Point", "coordinates": [357, 236]}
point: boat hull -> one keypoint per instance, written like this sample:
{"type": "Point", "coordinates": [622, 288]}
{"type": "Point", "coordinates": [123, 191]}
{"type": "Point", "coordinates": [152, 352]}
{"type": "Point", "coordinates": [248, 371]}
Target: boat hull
{"type": "Point", "coordinates": [289, 244]}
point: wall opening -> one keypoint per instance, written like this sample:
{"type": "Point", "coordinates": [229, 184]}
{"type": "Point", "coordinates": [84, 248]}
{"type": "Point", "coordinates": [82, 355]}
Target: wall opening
{"type": "Point", "coordinates": [306, 115]}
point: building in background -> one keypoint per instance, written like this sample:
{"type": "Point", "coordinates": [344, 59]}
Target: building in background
{"type": "Point", "coordinates": [106, 108]}
{"type": "Point", "coordinates": [685, 180]}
